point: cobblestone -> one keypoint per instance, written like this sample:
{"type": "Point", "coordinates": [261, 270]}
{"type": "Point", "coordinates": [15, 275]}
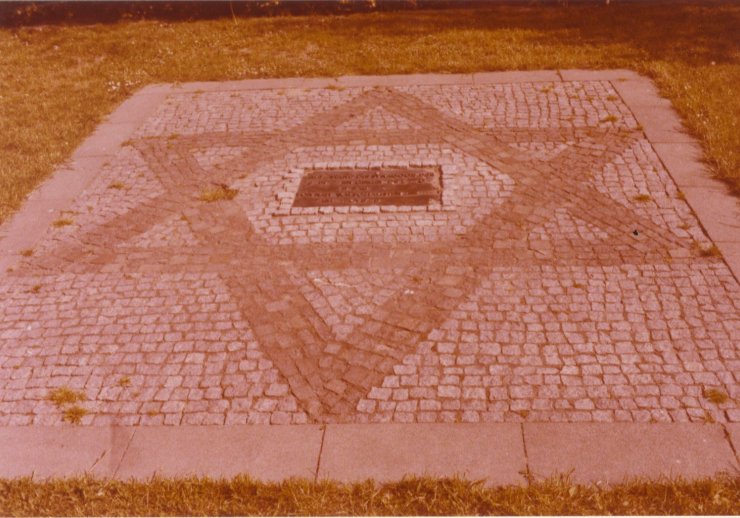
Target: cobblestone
{"type": "Point", "coordinates": [558, 278]}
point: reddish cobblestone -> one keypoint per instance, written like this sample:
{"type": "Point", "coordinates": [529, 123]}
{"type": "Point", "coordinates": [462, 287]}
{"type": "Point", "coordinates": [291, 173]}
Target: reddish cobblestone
{"type": "Point", "coordinates": [560, 278]}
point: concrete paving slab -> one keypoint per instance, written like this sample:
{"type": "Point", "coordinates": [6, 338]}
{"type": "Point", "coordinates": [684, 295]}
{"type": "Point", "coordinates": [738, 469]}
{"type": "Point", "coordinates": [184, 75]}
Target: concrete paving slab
{"type": "Point", "coordinates": [360, 81]}
{"type": "Point", "coordinates": [598, 75]}
{"type": "Point", "coordinates": [156, 88]}
{"type": "Point", "coordinates": [640, 92]}
{"type": "Point", "coordinates": [733, 432]}
{"type": "Point", "coordinates": [527, 76]}
{"type": "Point", "coordinates": [248, 84]}
{"type": "Point", "coordinates": [320, 82]}
{"type": "Point", "coordinates": [656, 115]}
{"type": "Point", "coordinates": [730, 251]}
{"type": "Point", "coordinates": [106, 140]}
{"type": "Point", "coordinates": [610, 452]}
{"type": "Point", "coordinates": [668, 136]}
{"type": "Point", "coordinates": [136, 108]}
{"type": "Point", "coordinates": [718, 210]}
{"type": "Point", "coordinates": [661, 124]}
{"type": "Point", "coordinates": [684, 163]}
{"type": "Point", "coordinates": [388, 452]}
{"type": "Point", "coordinates": [405, 80]}
{"type": "Point", "coordinates": [69, 181]}
{"type": "Point", "coordinates": [44, 451]}
{"type": "Point", "coordinates": [270, 453]}
{"type": "Point", "coordinates": [25, 227]}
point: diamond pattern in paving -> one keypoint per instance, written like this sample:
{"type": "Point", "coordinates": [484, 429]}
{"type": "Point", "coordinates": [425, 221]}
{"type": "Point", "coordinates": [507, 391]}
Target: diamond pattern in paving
{"type": "Point", "coordinates": [559, 277]}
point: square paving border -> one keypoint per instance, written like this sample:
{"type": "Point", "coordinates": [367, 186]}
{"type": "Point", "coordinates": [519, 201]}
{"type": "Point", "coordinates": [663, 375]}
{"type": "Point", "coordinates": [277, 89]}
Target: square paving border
{"type": "Point", "coordinates": [493, 452]}
{"type": "Point", "coordinates": [270, 453]}
{"type": "Point", "coordinates": [498, 453]}
{"type": "Point", "coordinates": [609, 453]}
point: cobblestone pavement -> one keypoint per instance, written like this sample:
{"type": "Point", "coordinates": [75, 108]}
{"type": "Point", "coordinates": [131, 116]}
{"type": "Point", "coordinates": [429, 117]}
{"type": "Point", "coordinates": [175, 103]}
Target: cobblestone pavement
{"type": "Point", "coordinates": [560, 276]}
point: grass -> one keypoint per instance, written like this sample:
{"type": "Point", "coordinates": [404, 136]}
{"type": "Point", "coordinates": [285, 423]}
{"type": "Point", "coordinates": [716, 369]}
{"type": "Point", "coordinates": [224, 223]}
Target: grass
{"type": "Point", "coordinates": [218, 193]}
{"type": "Point", "coordinates": [414, 496]}
{"type": "Point", "coordinates": [715, 396]}
{"type": "Point", "coordinates": [74, 414]}
{"type": "Point", "coordinates": [59, 82]}
{"type": "Point", "coordinates": [610, 118]}
{"type": "Point", "coordinates": [711, 251]}
{"type": "Point", "coordinates": [66, 399]}
{"type": "Point", "coordinates": [62, 222]}
{"type": "Point", "coordinates": [65, 396]}
{"type": "Point", "coordinates": [642, 198]}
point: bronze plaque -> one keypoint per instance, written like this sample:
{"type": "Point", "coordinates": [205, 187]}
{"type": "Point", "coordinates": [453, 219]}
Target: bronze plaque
{"type": "Point", "coordinates": [341, 187]}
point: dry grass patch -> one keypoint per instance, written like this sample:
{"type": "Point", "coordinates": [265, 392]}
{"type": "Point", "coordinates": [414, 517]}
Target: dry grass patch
{"type": "Point", "coordinates": [61, 222]}
{"type": "Point", "coordinates": [66, 400]}
{"type": "Point", "coordinates": [74, 414]}
{"type": "Point", "coordinates": [715, 396]}
{"type": "Point", "coordinates": [65, 396]}
{"type": "Point", "coordinates": [218, 193]}
{"type": "Point", "coordinates": [59, 82]}
{"type": "Point", "coordinates": [711, 251]}
{"type": "Point", "coordinates": [413, 496]}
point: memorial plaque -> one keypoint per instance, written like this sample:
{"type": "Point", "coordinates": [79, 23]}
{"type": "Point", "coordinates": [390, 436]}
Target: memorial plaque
{"type": "Point", "coordinates": [342, 187]}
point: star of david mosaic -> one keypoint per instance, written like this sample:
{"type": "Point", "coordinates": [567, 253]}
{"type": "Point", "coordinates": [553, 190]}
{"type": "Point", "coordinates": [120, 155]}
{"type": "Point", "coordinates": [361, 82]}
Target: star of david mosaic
{"type": "Point", "coordinates": [270, 251]}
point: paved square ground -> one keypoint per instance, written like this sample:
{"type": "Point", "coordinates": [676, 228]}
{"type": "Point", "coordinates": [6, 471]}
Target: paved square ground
{"type": "Point", "coordinates": [560, 275]}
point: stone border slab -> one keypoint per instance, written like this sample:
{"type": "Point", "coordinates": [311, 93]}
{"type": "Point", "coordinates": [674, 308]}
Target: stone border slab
{"type": "Point", "coordinates": [525, 76]}
{"type": "Point", "coordinates": [493, 452]}
{"type": "Point", "coordinates": [733, 434]}
{"type": "Point", "coordinates": [145, 101]}
{"type": "Point", "coordinates": [534, 76]}
{"type": "Point", "coordinates": [721, 213]}
{"type": "Point", "coordinates": [730, 251]}
{"type": "Point", "coordinates": [612, 74]}
{"type": "Point", "coordinates": [46, 451]}
{"type": "Point", "coordinates": [603, 452]}
{"type": "Point", "coordinates": [498, 453]}
{"type": "Point", "coordinates": [684, 161]}
{"type": "Point", "coordinates": [271, 453]}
